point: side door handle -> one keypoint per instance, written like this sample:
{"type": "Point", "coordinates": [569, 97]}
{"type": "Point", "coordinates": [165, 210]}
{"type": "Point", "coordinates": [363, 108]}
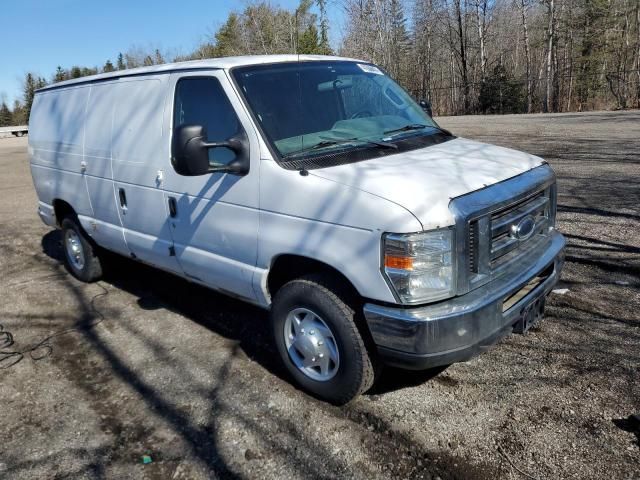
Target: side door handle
{"type": "Point", "coordinates": [123, 198]}
{"type": "Point", "coordinates": [173, 207]}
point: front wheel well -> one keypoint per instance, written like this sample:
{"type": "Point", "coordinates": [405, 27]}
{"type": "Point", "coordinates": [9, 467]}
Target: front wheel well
{"type": "Point", "coordinates": [289, 267]}
{"type": "Point", "coordinates": [62, 209]}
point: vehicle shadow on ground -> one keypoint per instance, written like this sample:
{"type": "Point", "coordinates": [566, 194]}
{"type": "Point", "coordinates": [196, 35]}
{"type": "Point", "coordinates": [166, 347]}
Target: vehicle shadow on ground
{"type": "Point", "coordinates": [157, 289]}
{"type": "Point", "coordinates": [630, 424]}
{"type": "Point", "coordinates": [393, 379]}
{"type": "Point", "coordinates": [248, 327]}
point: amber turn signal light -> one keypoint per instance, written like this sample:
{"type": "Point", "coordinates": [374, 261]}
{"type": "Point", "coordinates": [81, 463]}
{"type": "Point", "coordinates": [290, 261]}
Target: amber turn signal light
{"type": "Point", "coordinates": [398, 262]}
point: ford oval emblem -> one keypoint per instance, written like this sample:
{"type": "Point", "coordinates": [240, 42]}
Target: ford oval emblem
{"type": "Point", "coordinates": [524, 228]}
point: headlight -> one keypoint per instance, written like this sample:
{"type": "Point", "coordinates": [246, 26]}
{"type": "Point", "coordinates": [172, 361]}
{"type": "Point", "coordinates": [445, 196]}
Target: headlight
{"type": "Point", "coordinates": [419, 266]}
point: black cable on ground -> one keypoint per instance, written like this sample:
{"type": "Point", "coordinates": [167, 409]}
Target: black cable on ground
{"type": "Point", "coordinates": [42, 349]}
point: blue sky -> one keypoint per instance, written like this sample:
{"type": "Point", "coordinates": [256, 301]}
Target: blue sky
{"type": "Point", "coordinates": [39, 35]}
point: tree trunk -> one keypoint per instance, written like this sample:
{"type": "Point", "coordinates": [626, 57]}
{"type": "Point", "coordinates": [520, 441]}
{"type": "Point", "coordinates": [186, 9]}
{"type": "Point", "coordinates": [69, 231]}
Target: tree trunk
{"type": "Point", "coordinates": [569, 59]}
{"type": "Point", "coordinates": [637, 63]}
{"type": "Point", "coordinates": [550, 38]}
{"type": "Point", "coordinates": [463, 58]}
{"type": "Point", "coordinates": [481, 6]}
{"type": "Point", "coordinates": [527, 52]}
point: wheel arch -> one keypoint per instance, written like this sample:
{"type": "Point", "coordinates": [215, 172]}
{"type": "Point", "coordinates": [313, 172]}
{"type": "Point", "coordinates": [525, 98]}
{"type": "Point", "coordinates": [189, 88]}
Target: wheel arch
{"type": "Point", "coordinates": [286, 267]}
{"type": "Point", "coordinates": [61, 209]}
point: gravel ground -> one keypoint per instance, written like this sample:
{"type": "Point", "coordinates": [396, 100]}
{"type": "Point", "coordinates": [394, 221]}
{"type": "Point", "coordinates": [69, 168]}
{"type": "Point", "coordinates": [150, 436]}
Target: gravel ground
{"type": "Point", "coordinates": [158, 367]}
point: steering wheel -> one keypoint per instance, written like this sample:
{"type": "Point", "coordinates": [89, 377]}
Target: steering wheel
{"type": "Point", "coordinates": [362, 114]}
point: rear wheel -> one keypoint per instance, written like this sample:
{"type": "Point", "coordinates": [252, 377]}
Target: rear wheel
{"type": "Point", "coordinates": [315, 331]}
{"type": "Point", "coordinates": [80, 254]}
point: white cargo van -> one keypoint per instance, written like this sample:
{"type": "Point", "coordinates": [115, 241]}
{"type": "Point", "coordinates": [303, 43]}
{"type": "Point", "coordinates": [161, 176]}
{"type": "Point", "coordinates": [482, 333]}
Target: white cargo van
{"type": "Point", "coordinates": [312, 186]}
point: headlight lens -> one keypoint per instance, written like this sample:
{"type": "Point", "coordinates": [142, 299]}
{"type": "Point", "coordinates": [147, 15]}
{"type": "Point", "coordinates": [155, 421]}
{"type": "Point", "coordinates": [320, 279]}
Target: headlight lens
{"type": "Point", "coordinates": [420, 265]}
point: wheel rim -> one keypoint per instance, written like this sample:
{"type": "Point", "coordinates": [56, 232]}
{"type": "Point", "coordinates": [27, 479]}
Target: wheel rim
{"type": "Point", "coordinates": [73, 248]}
{"type": "Point", "coordinates": [311, 345]}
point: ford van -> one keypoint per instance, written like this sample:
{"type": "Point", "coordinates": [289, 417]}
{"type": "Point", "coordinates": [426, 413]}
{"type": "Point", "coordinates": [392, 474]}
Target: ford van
{"type": "Point", "coordinates": [312, 186]}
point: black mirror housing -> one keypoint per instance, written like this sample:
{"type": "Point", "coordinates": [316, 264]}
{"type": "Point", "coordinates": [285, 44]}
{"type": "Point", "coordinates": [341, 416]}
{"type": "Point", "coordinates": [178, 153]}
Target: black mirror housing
{"type": "Point", "coordinates": [190, 152]}
{"type": "Point", "coordinates": [188, 155]}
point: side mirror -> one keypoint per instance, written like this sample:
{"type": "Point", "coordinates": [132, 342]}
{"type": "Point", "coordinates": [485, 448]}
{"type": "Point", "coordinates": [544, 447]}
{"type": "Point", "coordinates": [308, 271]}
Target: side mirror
{"type": "Point", "coordinates": [426, 106]}
{"type": "Point", "coordinates": [190, 152]}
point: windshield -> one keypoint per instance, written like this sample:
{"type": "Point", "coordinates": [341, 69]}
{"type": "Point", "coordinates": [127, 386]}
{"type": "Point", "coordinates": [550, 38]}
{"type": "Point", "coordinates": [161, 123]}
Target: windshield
{"type": "Point", "coordinates": [311, 108]}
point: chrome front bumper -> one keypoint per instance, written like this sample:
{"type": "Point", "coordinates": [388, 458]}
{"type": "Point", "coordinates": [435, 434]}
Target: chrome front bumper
{"type": "Point", "coordinates": [457, 329]}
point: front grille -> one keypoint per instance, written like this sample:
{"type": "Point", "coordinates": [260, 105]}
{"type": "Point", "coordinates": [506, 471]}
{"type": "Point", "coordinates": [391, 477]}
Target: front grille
{"type": "Point", "coordinates": [504, 243]}
{"type": "Point", "coordinates": [503, 227]}
{"type": "Point", "coordinates": [473, 246]}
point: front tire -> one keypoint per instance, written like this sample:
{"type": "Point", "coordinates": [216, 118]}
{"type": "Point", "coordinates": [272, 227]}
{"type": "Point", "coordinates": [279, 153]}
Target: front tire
{"type": "Point", "coordinates": [80, 254]}
{"type": "Point", "coordinates": [316, 333]}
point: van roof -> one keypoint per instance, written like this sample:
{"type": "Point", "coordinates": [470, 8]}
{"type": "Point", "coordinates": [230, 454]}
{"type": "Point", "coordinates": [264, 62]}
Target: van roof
{"type": "Point", "coordinates": [210, 63]}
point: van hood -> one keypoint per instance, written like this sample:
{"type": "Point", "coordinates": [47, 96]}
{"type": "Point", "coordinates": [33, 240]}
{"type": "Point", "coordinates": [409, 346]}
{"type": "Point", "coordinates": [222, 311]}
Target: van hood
{"type": "Point", "coordinates": [424, 181]}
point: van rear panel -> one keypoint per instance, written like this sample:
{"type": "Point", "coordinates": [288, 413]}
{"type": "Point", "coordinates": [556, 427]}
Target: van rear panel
{"type": "Point", "coordinates": [56, 136]}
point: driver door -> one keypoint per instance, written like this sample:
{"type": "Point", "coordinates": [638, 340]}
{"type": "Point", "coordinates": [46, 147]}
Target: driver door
{"type": "Point", "coordinates": [214, 217]}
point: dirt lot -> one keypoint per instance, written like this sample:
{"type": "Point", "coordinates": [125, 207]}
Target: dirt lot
{"type": "Point", "coordinates": [159, 367]}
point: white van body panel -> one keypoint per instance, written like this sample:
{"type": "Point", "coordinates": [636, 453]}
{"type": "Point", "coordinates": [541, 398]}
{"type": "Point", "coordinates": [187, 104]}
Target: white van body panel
{"type": "Point", "coordinates": [431, 177]}
{"type": "Point", "coordinates": [98, 175]}
{"type": "Point", "coordinates": [56, 147]}
{"type": "Point", "coordinates": [140, 148]}
{"type": "Point", "coordinates": [215, 231]}
{"type": "Point", "coordinates": [336, 224]}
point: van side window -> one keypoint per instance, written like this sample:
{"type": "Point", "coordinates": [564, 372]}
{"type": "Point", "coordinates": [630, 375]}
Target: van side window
{"type": "Point", "coordinates": [202, 101]}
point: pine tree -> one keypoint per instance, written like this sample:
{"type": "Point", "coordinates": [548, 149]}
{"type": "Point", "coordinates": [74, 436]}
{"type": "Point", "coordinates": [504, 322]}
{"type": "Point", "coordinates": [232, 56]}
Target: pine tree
{"type": "Point", "coordinates": [29, 88]}
{"type": "Point", "coordinates": [6, 117]}
{"type": "Point", "coordinates": [308, 42]}
{"type": "Point", "coordinates": [499, 93]}
{"type": "Point", "coordinates": [228, 38]}
{"type": "Point", "coordinates": [399, 38]}
{"type": "Point", "coordinates": [60, 75]}
{"type": "Point", "coordinates": [108, 67]}
{"type": "Point", "coordinates": [120, 63]}
{"type": "Point", "coordinates": [158, 58]}
{"type": "Point", "coordinates": [324, 48]}
{"type": "Point", "coordinates": [85, 71]}
{"type": "Point", "coordinates": [594, 24]}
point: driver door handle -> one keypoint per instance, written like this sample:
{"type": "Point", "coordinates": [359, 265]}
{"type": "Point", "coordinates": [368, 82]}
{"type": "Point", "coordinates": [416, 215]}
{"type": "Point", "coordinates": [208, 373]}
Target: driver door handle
{"type": "Point", "coordinates": [123, 198]}
{"type": "Point", "coordinates": [173, 207]}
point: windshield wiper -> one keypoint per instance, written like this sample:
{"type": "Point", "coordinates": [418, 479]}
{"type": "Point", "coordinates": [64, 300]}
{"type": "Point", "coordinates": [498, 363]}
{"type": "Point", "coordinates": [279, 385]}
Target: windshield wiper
{"type": "Point", "coordinates": [407, 128]}
{"type": "Point", "coordinates": [378, 143]}
{"type": "Point", "coordinates": [417, 126]}
{"type": "Point", "coordinates": [328, 142]}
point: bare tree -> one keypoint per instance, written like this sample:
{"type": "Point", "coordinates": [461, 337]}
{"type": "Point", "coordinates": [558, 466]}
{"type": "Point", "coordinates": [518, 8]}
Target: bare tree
{"type": "Point", "coordinates": [549, 53]}
{"type": "Point", "coordinates": [533, 55]}
{"type": "Point", "coordinates": [481, 20]}
{"type": "Point", "coordinates": [522, 4]}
